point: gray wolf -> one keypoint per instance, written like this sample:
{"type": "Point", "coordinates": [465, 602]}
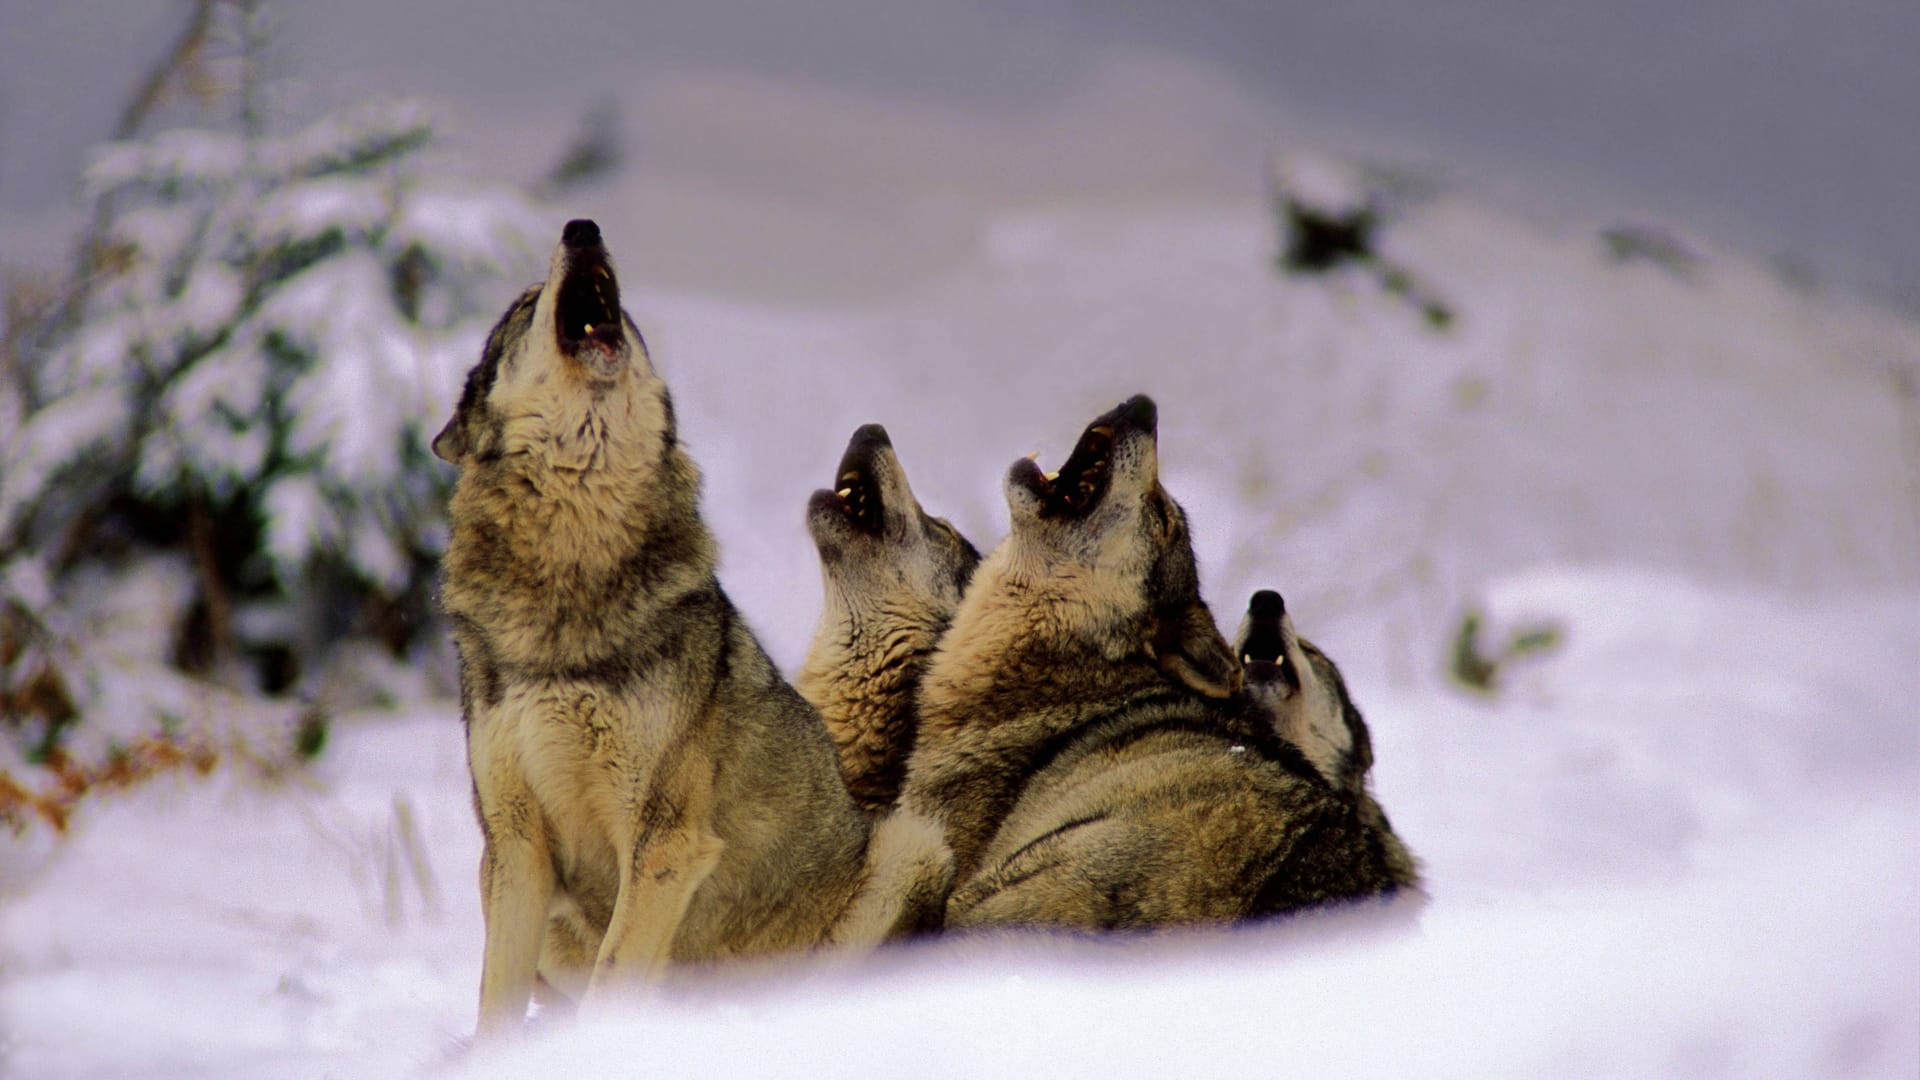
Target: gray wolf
{"type": "Point", "coordinates": [1301, 691]}
{"type": "Point", "coordinates": [1082, 737]}
{"type": "Point", "coordinates": [649, 789]}
{"type": "Point", "coordinates": [893, 576]}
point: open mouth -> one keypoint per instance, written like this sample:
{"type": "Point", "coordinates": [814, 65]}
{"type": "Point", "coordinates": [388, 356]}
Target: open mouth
{"type": "Point", "coordinates": [1263, 655]}
{"type": "Point", "coordinates": [856, 489]}
{"type": "Point", "coordinates": [1264, 652]}
{"type": "Point", "coordinates": [1082, 481]}
{"type": "Point", "coordinates": [587, 319]}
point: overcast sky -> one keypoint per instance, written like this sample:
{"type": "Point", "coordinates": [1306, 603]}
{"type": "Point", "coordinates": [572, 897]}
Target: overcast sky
{"type": "Point", "coordinates": [1776, 125]}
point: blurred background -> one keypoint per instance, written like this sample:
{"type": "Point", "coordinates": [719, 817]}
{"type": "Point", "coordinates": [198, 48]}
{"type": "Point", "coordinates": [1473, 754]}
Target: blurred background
{"type": "Point", "coordinates": [881, 131]}
{"type": "Point", "coordinates": [1520, 346]}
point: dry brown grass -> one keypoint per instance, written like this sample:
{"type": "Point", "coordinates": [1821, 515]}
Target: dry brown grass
{"type": "Point", "coordinates": [63, 782]}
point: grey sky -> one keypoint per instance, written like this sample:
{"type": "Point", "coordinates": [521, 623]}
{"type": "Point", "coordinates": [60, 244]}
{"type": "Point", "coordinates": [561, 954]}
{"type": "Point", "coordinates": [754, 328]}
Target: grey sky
{"type": "Point", "coordinates": [1777, 125]}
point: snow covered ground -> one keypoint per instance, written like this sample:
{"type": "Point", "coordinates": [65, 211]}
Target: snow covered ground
{"type": "Point", "coordinates": [1684, 846]}
{"type": "Point", "coordinates": [1682, 843]}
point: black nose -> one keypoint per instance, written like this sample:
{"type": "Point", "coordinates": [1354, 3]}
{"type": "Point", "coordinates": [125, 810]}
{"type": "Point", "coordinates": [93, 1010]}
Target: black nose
{"type": "Point", "coordinates": [1266, 604]}
{"type": "Point", "coordinates": [579, 233]}
{"type": "Point", "coordinates": [1140, 412]}
{"type": "Point", "coordinates": [871, 435]}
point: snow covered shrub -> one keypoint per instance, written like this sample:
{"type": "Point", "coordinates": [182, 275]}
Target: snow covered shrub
{"type": "Point", "coordinates": [221, 470]}
{"type": "Point", "coordinates": [1330, 221]}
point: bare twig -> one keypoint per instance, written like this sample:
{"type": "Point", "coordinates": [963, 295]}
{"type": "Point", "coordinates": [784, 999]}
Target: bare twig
{"type": "Point", "coordinates": [179, 57]}
{"type": "Point", "coordinates": [407, 839]}
{"type": "Point", "coordinates": [213, 589]}
{"type": "Point", "coordinates": [147, 96]}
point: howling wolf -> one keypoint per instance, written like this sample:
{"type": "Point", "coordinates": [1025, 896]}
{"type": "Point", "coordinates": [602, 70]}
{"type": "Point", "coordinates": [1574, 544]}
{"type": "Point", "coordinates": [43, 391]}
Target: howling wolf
{"type": "Point", "coordinates": [1083, 740]}
{"type": "Point", "coordinates": [893, 577]}
{"type": "Point", "coordinates": [650, 790]}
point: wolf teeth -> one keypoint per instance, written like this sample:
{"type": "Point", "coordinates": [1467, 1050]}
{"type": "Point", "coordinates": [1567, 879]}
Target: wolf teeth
{"type": "Point", "coordinates": [1102, 430]}
{"type": "Point", "coordinates": [587, 328]}
{"type": "Point", "coordinates": [1050, 477]}
{"type": "Point", "coordinates": [844, 492]}
{"type": "Point", "coordinates": [1035, 456]}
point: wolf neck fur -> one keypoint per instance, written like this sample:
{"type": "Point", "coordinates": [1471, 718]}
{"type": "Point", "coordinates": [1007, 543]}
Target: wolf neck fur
{"type": "Point", "coordinates": [861, 673]}
{"type": "Point", "coordinates": [571, 513]}
{"type": "Point", "coordinates": [1011, 625]}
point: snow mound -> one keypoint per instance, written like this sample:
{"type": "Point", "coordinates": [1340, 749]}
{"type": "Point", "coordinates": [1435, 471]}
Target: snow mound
{"type": "Point", "coordinates": [1573, 929]}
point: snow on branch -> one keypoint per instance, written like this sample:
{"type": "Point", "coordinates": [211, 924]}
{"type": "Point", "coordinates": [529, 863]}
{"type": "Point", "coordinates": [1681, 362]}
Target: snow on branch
{"type": "Point", "coordinates": [352, 140]}
{"type": "Point", "coordinates": [174, 162]}
{"type": "Point", "coordinates": [270, 327]}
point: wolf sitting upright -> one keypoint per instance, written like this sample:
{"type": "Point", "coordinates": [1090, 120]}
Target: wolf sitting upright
{"type": "Point", "coordinates": [1302, 692]}
{"type": "Point", "coordinates": [649, 788]}
{"type": "Point", "coordinates": [893, 578]}
{"type": "Point", "coordinates": [1081, 739]}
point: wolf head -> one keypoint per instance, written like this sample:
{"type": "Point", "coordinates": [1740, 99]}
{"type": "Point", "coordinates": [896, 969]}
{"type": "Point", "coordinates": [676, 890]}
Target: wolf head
{"type": "Point", "coordinates": [575, 497]}
{"type": "Point", "coordinates": [893, 578]}
{"type": "Point", "coordinates": [1099, 556]}
{"type": "Point", "coordinates": [1300, 688]}
{"type": "Point", "coordinates": [564, 376]}
{"type": "Point", "coordinates": [879, 551]}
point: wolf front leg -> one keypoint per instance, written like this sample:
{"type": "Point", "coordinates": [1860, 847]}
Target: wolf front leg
{"type": "Point", "coordinates": [671, 852]}
{"type": "Point", "coordinates": [516, 885]}
{"type": "Point", "coordinates": [904, 886]}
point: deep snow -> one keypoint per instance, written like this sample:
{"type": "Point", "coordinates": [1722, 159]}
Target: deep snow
{"type": "Point", "coordinates": [1683, 846]}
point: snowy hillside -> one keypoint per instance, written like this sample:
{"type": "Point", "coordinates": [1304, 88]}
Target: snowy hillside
{"type": "Point", "coordinates": [1680, 843]}
{"type": "Point", "coordinates": [1326, 442]}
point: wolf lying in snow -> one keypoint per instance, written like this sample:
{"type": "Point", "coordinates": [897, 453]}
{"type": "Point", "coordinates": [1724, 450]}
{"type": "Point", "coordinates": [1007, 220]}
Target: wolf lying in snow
{"type": "Point", "coordinates": [1081, 737]}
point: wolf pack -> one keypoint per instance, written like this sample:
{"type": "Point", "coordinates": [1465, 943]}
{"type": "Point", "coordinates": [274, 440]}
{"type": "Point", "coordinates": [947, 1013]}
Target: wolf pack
{"type": "Point", "coordinates": [1053, 736]}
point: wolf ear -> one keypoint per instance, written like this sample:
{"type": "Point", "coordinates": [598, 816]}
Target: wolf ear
{"type": "Point", "coordinates": [1189, 647]}
{"type": "Point", "coordinates": [450, 445]}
